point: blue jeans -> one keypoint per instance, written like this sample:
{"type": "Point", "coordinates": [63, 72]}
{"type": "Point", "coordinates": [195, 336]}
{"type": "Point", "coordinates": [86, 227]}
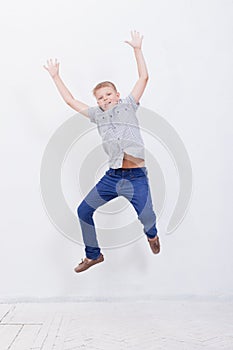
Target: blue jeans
{"type": "Point", "coordinates": [132, 183]}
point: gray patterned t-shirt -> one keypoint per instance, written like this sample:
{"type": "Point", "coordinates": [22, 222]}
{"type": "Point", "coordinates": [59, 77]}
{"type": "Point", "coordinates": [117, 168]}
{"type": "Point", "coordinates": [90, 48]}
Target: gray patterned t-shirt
{"type": "Point", "coordinates": [119, 129]}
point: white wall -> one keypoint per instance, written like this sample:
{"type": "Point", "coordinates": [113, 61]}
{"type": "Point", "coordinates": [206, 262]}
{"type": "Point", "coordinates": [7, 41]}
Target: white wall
{"type": "Point", "coordinates": [188, 49]}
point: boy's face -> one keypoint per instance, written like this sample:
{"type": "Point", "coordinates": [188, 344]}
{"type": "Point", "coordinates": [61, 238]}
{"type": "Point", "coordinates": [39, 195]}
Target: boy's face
{"type": "Point", "coordinates": [107, 97]}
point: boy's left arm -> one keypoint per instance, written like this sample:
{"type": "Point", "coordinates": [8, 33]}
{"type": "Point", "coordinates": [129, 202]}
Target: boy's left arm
{"type": "Point", "coordinates": [141, 83]}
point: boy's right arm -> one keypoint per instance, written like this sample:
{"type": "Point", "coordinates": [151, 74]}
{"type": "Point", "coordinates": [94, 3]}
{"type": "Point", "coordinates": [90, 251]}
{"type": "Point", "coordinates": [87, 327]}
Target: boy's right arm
{"type": "Point", "coordinates": [53, 69]}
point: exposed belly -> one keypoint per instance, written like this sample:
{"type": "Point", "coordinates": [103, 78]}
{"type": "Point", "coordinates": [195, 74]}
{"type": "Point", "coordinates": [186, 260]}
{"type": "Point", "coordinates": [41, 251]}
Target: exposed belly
{"type": "Point", "coordinates": [132, 162]}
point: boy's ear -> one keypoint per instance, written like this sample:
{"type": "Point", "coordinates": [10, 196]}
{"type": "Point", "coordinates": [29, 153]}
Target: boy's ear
{"type": "Point", "coordinates": [118, 94]}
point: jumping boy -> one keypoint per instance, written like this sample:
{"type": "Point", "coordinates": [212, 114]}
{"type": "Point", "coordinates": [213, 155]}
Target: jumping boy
{"type": "Point", "coordinates": [127, 174]}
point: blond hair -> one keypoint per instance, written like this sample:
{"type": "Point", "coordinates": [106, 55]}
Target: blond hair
{"type": "Point", "coordinates": [103, 84]}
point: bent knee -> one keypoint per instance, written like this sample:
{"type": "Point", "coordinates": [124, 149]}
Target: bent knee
{"type": "Point", "coordinates": [84, 211]}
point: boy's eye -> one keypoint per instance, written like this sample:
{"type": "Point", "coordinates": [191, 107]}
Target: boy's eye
{"type": "Point", "coordinates": [109, 93]}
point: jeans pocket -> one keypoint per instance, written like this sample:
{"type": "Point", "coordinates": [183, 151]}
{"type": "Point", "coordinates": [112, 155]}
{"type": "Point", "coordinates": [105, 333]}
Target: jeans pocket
{"type": "Point", "coordinates": [110, 172]}
{"type": "Point", "coordinates": [142, 179]}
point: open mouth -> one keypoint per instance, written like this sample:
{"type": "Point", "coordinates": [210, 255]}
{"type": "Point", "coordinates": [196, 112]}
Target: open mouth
{"type": "Point", "coordinates": [107, 104]}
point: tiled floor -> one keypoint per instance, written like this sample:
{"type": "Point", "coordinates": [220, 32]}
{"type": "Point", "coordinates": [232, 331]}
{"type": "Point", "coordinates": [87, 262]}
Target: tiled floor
{"type": "Point", "coordinates": [114, 325]}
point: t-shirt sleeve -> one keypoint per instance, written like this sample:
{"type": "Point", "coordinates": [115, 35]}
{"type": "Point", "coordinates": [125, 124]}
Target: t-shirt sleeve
{"type": "Point", "coordinates": [130, 99]}
{"type": "Point", "coordinates": [92, 114]}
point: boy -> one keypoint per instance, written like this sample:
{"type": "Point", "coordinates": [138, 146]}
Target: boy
{"type": "Point", "coordinates": [127, 175]}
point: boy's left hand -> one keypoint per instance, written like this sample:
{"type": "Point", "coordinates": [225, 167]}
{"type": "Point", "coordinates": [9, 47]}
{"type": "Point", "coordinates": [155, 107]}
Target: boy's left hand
{"type": "Point", "coordinates": [136, 41]}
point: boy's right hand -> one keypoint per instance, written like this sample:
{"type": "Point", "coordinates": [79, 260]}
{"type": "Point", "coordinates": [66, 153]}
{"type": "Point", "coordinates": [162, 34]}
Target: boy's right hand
{"type": "Point", "coordinates": [52, 68]}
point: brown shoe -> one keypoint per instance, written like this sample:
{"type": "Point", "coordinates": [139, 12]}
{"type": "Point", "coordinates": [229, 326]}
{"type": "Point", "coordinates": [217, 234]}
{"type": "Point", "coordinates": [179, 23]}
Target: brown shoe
{"type": "Point", "coordinates": [154, 244]}
{"type": "Point", "coordinates": [86, 263]}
